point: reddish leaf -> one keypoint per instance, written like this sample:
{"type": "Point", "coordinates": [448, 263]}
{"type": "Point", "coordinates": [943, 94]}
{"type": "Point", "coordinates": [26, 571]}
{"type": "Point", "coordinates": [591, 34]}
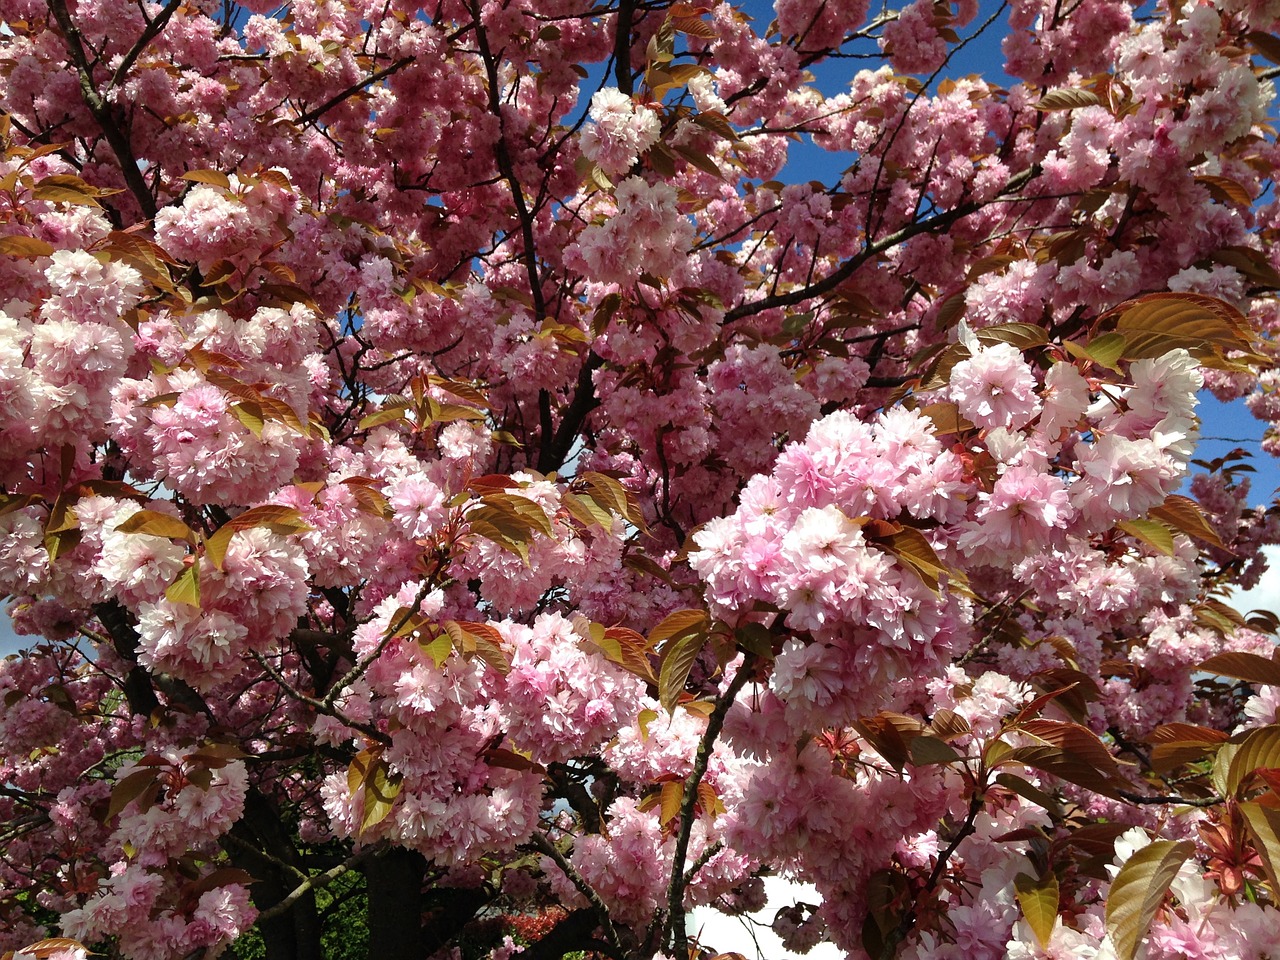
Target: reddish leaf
{"type": "Point", "coordinates": [1244, 666]}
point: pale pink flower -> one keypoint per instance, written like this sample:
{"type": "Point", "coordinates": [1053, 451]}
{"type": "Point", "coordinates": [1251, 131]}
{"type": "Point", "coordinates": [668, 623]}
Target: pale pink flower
{"type": "Point", "coordinates": [995, 388]}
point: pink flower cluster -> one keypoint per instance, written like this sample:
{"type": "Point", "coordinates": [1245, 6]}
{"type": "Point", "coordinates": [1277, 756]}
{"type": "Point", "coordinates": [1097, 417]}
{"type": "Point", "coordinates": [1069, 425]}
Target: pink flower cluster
{"type": "Point", "coordinates": [621, 132]}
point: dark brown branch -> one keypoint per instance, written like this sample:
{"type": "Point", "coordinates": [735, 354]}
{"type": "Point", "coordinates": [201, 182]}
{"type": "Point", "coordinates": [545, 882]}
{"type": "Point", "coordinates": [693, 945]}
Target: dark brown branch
{"type": "Point", "coordinates": [554, 449]}
{"type": "Point", "coordinates": [153, 30]}
{"type": "Point", "coordinates": [312, 115]}
{"type": "Point", "coordinates": [315, 882]}
{"type": "Point", "coordinates": [138, 692]}
{"type": "Point", "coordinates": [320, 706]}
{"type": "Point", "coordinates": [507, 168]}
{"type": "Point", "coordinates": [102, 112]}
{"type": "Point", "coordinates": [904, 927]}
{"type": "Point", "coordinates": [598, 906]}
{"type": "Point", "coordinates": [1170, 800]}
{"type": "Point", "coordinates": [622, 47]}
{"type": "Point", "coordinates": [678, 934]}
{"type": "Point", "coordinates": [843, 272]}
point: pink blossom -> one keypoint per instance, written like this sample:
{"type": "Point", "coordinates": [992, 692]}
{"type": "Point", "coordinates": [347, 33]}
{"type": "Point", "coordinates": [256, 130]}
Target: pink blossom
{"type": "Point", "coordinates": [995, 388]}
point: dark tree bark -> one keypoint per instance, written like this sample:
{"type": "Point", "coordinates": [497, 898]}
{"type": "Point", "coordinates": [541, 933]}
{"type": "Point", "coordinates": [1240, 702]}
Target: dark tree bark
{"type": "Point", "coordinates": [261, 847]}
{"type": "Point", "coordinates": [394, 882]}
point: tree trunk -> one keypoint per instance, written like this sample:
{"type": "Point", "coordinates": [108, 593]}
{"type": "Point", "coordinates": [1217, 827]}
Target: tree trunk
{"type": "Point", "coordinates": [394, 883]}
{"type": "Point", "coordinates": [295, 934]}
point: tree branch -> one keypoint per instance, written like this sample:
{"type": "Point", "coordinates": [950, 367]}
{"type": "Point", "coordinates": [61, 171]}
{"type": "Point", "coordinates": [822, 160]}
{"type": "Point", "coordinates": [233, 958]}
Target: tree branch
{"type": "Point", "coordinates": [554, 449]}
{"type": "Point", "coordinates": [904, 927]}
{"type": "Point", "coordinates": [622, 47]}
{"type": "Point", "coordinates": [316, 882]}
{"type": "Point", "coordinates": [677, 932]}
{"type": "Point", "coordinates": [153, 30]}
{"type": "Point", "coordinates": [315, 114]}
{"type": "Point", "coordinates": [321, 706]}
{"type": "Point", "coordinates": [543, 843]}
{"type": "Point", "coordinates": [507, 168]}
{"type": "Point", "coordinates": [846, 269]}
{"type": "Point", "coordinates": [1166, 799]}
{"type": "Point", "coordinates": [102, 112]}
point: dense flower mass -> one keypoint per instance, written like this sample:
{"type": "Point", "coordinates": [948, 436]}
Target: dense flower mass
{"type": "Point", "coordinates": [471, 481]}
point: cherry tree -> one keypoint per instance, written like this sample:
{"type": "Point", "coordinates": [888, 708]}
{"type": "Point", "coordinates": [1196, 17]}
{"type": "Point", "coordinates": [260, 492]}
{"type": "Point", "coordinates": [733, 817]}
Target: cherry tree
{"type": "Point", "coordinates": [449, 476]}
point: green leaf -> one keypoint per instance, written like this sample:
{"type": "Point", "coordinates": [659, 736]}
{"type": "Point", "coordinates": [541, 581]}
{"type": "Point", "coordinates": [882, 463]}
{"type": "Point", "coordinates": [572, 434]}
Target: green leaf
{"type": "Point", "coordinates": [755, 638]}
{"type": "Point", "coordinates": [1067, 98]}
{"type": "Point", "coordinates": [1038, 899]}
{"type": "Point", "coordinates": [54, 193]}
{"type": "Point", "coordinates": [915, 553]}
{"type": "Point", "coordinates": [1226, 190]}
{"type": "Point", "coordinates": [1079, 741]}
{"type": "Point", "coordinates": [927, 750]}
{"type": "Point", "coordinates": [63, 541]}
{"type": "Point", "coordinates": [1063, 764]}
{"type": "Point", "coordinates": [679, 624]}
{"type": "Point", "coordinates": [129, 789]}
{"type": "Point", "coordinates": [624, 647]}
{"type": "Point", "coordinates": [1138, 891]}
{"type": "Point", "coordinates": [152, 523]}
{"type": "Point", "coordinates": [511, 760]}
{"type": "Point", "coordinates": [370, 777]}
{"type": "Point", "coordinates": [1183, 513]}
{"type": "Point", "coordinates": [438, 648]}
{"type": "Point", "coordinates": [1107, 350]}
{"type": "Point", "coordinates": [370, 499]}
{"type": "Point", "coordinates": [614, 497]}
{"type": "Point", "coordinates": [386, 415]}
{"type": "Point", "coordinates": [890, 735]}
{"type": "Point", "coordinates": [678, 657]}
{"type": "Point", "coordinates": [1206, 327]}
{"type": "Point", "coordinates": [672, 797]}
{"type": "Point", "coordinates": [586, 510]}
{"type": "Point", "coordinates": [1222, 767]}
{"type": "Point", "coordinates": [1151, 532]}
{"type": "Point", "coordinates": [250, 415]}
{"type": "Point", "coordinates": [213, 177]}
{"type": "Point", "coordinates": [1024, 336]}
{"type": "Point", "coordinates": [1264, 826]}
{"type": "Point", "coordinates": [277, 519]}
{"type": "Point", "coordinates": [1259, 750]}
{"type": "Point", "coordinates": [1028, 791]}
{"type": "Point", "coordinates": [482, 640]}
{"type": "Point", "coordinates": [1266, 44]}
{"type": "Point", "coordinates": [645, 718]}
{"type": "Point", "coordinates": [185, 589]}
{"type": "Point", "coordinates": [44, 949]}
{"type": "Point", "coordinates": [530, 513]}
{"type": "Point", "coordinates": [17, 246]}
{"type": "Point", "coordinates": [699, 160]}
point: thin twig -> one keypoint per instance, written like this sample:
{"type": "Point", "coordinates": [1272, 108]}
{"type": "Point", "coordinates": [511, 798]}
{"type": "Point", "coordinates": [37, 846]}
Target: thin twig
{"type": "Point", "coordinates": [351, 91]}
{"type": "Point", "coordinates": [1166, 799]}
{"type": "Point", "coordinates": [543, 843]}
{"type": "Point", "coordinates": [846, 269]}
{"type": "Point", "coordinates": [904, 927]}
{"type": "Point", "coordinates": [320, 706]}
{"type": "Point", "coordinates": [703, 859]}
{"type": "Point", "coordinates": [358, 671]}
